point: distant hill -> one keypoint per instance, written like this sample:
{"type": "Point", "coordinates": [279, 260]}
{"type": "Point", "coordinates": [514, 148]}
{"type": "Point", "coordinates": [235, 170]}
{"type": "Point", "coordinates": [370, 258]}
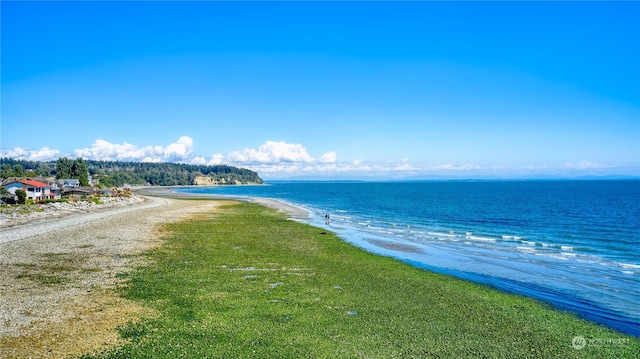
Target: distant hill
{"type": "Point", "coordinates": [115, 173]}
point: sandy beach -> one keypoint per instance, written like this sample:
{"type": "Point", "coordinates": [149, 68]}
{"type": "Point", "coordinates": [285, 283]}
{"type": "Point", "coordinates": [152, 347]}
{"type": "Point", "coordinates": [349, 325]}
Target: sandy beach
{"type": "Point", "coordinates": [59, 275]}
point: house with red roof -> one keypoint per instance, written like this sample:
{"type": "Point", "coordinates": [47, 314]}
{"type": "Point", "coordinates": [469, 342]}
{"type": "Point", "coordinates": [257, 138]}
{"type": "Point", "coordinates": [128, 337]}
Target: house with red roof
{"type": "Point", "coordinates": [35, 190]}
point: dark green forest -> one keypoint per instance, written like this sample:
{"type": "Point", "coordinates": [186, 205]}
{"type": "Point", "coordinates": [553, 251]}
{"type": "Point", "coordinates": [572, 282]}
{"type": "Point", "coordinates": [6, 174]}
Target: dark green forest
{"type": "Point", "coordinates": [115, 174]}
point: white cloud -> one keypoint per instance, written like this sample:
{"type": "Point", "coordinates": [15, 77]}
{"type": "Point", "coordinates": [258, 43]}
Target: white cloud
{"type": "Point", "coordinates": [179, 151]}
{"type": "Point", "coordinates": [43, 154]}
{"type": "Point", "coordinates": [216, 159]}
{"type": "Point", "coordinates": [271, 152]}
{"type": "Point", "coordinates": [404, 167]}
{"type": "Point", "coordinates": [453, 167]}
{"type": "Point", "coordinates": [329, 157]}
{"type": "Point", "coordinates": [585, 165]}
{"type": "Point", "coordinates": [270, 157]}
{"type": "Point", "coordinates": [199, 160]}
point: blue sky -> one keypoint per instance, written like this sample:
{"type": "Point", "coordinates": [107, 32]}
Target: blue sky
{"type": "Point", "coordinates": [327, 90]}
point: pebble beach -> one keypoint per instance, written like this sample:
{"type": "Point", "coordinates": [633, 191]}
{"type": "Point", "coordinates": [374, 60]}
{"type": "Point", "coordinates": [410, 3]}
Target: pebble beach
{"type": "Point", "coordinates": [61, 265]}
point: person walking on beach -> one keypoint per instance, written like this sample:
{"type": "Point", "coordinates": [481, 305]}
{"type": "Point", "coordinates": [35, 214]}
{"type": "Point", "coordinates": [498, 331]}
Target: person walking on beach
{"type": "Point", "coordinates": [326, 219]}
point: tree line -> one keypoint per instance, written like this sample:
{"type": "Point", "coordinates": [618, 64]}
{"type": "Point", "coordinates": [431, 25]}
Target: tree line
{"type": "Point", "coordinates": [117, 173]}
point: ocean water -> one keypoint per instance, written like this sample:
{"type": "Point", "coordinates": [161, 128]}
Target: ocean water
{"type": "Point", "coordinates": [574, 244]}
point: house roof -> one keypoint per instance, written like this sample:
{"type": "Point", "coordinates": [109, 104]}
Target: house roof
{"type": "Point", "coordinates": [35, 183]}
{"type": "Point", "coordinates": [29, 182]}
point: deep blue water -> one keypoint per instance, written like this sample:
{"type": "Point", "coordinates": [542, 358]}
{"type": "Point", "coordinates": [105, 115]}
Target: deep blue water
{"type": "Point", "coordinates": [574, 244]}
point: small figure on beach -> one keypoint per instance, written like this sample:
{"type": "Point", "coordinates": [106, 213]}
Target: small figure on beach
{"type": "Point", "coordinates": [326, 219]}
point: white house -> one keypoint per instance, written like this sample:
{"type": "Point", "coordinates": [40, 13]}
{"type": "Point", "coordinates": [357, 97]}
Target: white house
{"type": "Point", "coordinates": [35, 190]}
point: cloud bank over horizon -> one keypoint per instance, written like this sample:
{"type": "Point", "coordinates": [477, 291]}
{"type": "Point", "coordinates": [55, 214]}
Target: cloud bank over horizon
{"type": "Point", "coordinates": [281, 160]}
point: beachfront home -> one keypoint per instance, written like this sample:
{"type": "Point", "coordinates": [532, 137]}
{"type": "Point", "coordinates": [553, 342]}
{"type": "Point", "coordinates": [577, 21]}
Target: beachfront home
{"type": "Point", "coordinates": [69, 182]}
{"type": "Point", "coordinates": [76, 193]}
{"type": "Point", "coordinates": [35, 190]}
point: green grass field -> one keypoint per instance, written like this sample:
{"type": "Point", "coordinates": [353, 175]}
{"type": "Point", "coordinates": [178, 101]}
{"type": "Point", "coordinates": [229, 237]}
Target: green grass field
{"type": "Point", "coordinates": [246, 282]}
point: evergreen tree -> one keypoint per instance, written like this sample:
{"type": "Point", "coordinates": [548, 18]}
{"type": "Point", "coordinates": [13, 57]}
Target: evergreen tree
{"type": "Point", "coordinates": [18, 170]}
{"type": "Point", "coordinates": [7, 171]}
{"type": "Point", "coordinates": [80, 171]}
{"type": "Point", "coordinates": [63, 168]}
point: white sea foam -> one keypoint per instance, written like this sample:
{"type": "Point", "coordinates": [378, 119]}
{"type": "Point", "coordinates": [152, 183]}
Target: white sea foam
{"type": "Point", "coordinates": [566, 248]}
{"type": "Point", "coordinates": [526, 249]}
{"type": "Point", "coordinates": [482, 239]}
{"type": "Point", "coordinates": [436, 234]}
{"type": "Point", "coordinates": [628, 265]}
{"type": "Point", "coordinates": [557, 256]}
{"type": "Point", "coordinates": [442, 236]}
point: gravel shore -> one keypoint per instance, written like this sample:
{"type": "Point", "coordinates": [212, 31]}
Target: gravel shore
{"type": "Point", "coordinates": [55, 216]}
{"type": "Point", "coordinates": [60, 275]}
{"type": "Point", "coordinates": [16, 215]}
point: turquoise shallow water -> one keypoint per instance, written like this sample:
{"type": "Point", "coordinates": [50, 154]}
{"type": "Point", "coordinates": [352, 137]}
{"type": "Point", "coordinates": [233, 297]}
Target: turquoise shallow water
{"type": "Point", "coordinates": [575, 244]}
